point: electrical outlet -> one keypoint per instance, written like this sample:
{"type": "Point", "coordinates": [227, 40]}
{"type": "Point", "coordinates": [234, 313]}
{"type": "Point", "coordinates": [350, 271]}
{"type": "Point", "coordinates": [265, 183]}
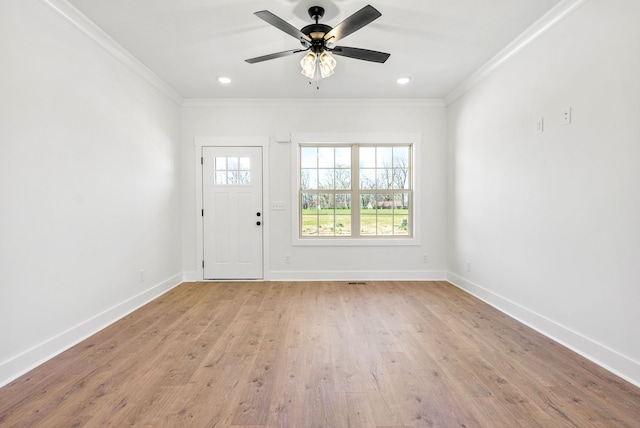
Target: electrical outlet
{"type": "Point", "coordinates": [566, 116]}
{"type": "Point", "coordinates": [141, 275]}
{"type": "Point", "coordinates": [425, 258]}
{"type": "Point", "coordinates": [540, 126]}
{"type": "Point", "coordinates": [287, 258]}
{"type": "Point", "coordinates": [468, 266]}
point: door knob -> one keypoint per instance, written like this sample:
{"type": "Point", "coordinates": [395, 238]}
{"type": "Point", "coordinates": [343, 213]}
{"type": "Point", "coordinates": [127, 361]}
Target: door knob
{"type": "Point", "coordinates": [258, 223]}
{"type": "Point", "coordinates": [258, 214]}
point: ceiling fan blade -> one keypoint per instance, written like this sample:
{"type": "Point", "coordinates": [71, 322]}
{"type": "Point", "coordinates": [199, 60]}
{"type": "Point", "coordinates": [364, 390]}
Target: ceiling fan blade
{"type": "Point", "coordinates": [364, 16]}
{"type": "Point", "coordinates": [357, 53]}
{"type": "Point", "coordinates": [281, 24]}
{"type": "Point", "coordinates": [273, 56]}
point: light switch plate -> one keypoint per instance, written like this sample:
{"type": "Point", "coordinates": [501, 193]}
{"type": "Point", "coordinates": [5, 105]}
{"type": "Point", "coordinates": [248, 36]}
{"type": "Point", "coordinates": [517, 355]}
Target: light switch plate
{"type": "Point", "coordinates": [277, 206]}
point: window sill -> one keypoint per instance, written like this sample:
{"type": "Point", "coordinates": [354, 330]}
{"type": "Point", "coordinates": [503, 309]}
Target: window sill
{"type": "Point", "coordinates": [356, 242]}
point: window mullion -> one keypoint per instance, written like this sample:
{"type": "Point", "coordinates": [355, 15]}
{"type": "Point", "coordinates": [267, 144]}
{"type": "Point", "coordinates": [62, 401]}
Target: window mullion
{"type": "Point", "coordinates": [355, 192]}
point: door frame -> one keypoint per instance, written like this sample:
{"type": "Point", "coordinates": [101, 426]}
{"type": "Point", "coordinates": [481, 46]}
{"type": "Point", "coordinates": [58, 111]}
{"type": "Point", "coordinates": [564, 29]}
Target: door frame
{"type": "Point", "coordinates": [262, 142]}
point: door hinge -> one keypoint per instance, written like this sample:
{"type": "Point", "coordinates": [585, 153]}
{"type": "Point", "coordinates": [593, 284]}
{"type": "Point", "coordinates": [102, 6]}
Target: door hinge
{"type": "Point", "coordinates": [201, 160]}
{"type": "Point", "coordinates": [203, 264]}
{"type": "Point", "coordinates": [202, 213]}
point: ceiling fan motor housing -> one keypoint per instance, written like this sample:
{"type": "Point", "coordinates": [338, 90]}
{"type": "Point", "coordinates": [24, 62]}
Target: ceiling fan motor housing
{"type": "Point", "coordinates": [316, 31]}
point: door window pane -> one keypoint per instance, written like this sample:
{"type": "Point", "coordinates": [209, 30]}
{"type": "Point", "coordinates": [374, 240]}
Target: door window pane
{"type": "Point", "coordinates": [232, 170]}
{"type": "Point", "coordinates": [232, 163]}
{"type": "Point", "coordinates": [245, 164]}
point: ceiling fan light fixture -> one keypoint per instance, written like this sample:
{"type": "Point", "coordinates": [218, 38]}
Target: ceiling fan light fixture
{"type": "Point", "coordinates": [327, 64]}
{"type": "Point", "coordinates": [308, 64]}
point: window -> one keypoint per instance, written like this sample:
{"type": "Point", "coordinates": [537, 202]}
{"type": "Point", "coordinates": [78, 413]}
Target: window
{"type": "Point", "coordinates": [232, 170]}
{"type": "Point", "coordinates": [355, 190]}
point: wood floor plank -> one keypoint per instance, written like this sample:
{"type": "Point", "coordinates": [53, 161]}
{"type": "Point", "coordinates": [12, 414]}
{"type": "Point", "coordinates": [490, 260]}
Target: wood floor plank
{"type": "Point", "coordinates": [319, 354]}
{"type": "Point", "coordinates": [258, 388]}
{"type": "Point", "coordinates": [287, 405]}
{"type": "Point", "coordinates": [358, 414]}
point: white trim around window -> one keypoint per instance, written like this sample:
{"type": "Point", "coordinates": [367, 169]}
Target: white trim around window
{"type": "Point", "coordinates": [297, 139]}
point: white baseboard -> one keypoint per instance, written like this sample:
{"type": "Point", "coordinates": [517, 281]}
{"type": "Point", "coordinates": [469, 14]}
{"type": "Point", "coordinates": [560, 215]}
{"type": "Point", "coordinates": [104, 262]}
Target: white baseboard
{"type": "Point", "coordinates": [357, 276]}
{"type": "Point", "coordinates": [605, 357]}
{"type": "Point", "coordinates": [192, 276]}
{"type": "Point", "coordinates": [30, 359]}
{"type": "Point", "coordinates": [340, 276]}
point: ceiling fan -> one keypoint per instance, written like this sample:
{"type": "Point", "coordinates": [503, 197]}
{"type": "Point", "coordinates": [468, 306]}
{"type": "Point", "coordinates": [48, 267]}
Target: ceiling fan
{"type": "Point", "coordinates": [319, 40]}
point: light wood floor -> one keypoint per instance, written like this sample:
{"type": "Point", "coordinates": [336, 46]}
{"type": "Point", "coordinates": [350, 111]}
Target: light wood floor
{"type": "Point", "coordinates": [319, 354]}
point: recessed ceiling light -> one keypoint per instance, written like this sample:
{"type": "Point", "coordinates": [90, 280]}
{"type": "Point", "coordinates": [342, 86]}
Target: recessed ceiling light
{"type": "Point", "coordinates": [403, 80]}
{"type": "Point", "coordinates": [224, 80]}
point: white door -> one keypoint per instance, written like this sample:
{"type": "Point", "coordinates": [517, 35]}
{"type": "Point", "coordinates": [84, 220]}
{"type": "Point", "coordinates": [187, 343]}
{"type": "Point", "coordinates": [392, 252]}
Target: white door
{"type": "Point", "coordinates": [232, 212]}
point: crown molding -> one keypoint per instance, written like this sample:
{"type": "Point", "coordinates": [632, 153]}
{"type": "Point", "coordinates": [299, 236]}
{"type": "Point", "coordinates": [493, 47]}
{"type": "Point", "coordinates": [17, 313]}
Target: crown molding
{"type": "Point", "coordinates": [304, 102]}
{"type": "Point", "coordinates": [541, 26]}
{"type": "Point", "coordinates": [95, 33]}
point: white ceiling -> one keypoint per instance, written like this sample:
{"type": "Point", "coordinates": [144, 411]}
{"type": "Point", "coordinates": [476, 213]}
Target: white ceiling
{"type": "Point", "coordinates": [190, 43]}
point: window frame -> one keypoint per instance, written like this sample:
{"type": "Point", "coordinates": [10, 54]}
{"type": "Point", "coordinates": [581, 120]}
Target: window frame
{"type": "Point", "coordinates": [412, 140]}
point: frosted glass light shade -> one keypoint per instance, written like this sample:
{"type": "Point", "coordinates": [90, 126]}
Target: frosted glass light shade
{"type": "Point", "coordinates": [327, 64]}
{"type": "Point", "coordinates": [308, 64]}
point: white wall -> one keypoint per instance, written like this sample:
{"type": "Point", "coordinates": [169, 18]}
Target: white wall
{"type": "Point", "coordinates": [551, 222]}
{"type": "Point", "coordinates": [89, 191]}
{"type": "Point", "coordinates": [338, 116]}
